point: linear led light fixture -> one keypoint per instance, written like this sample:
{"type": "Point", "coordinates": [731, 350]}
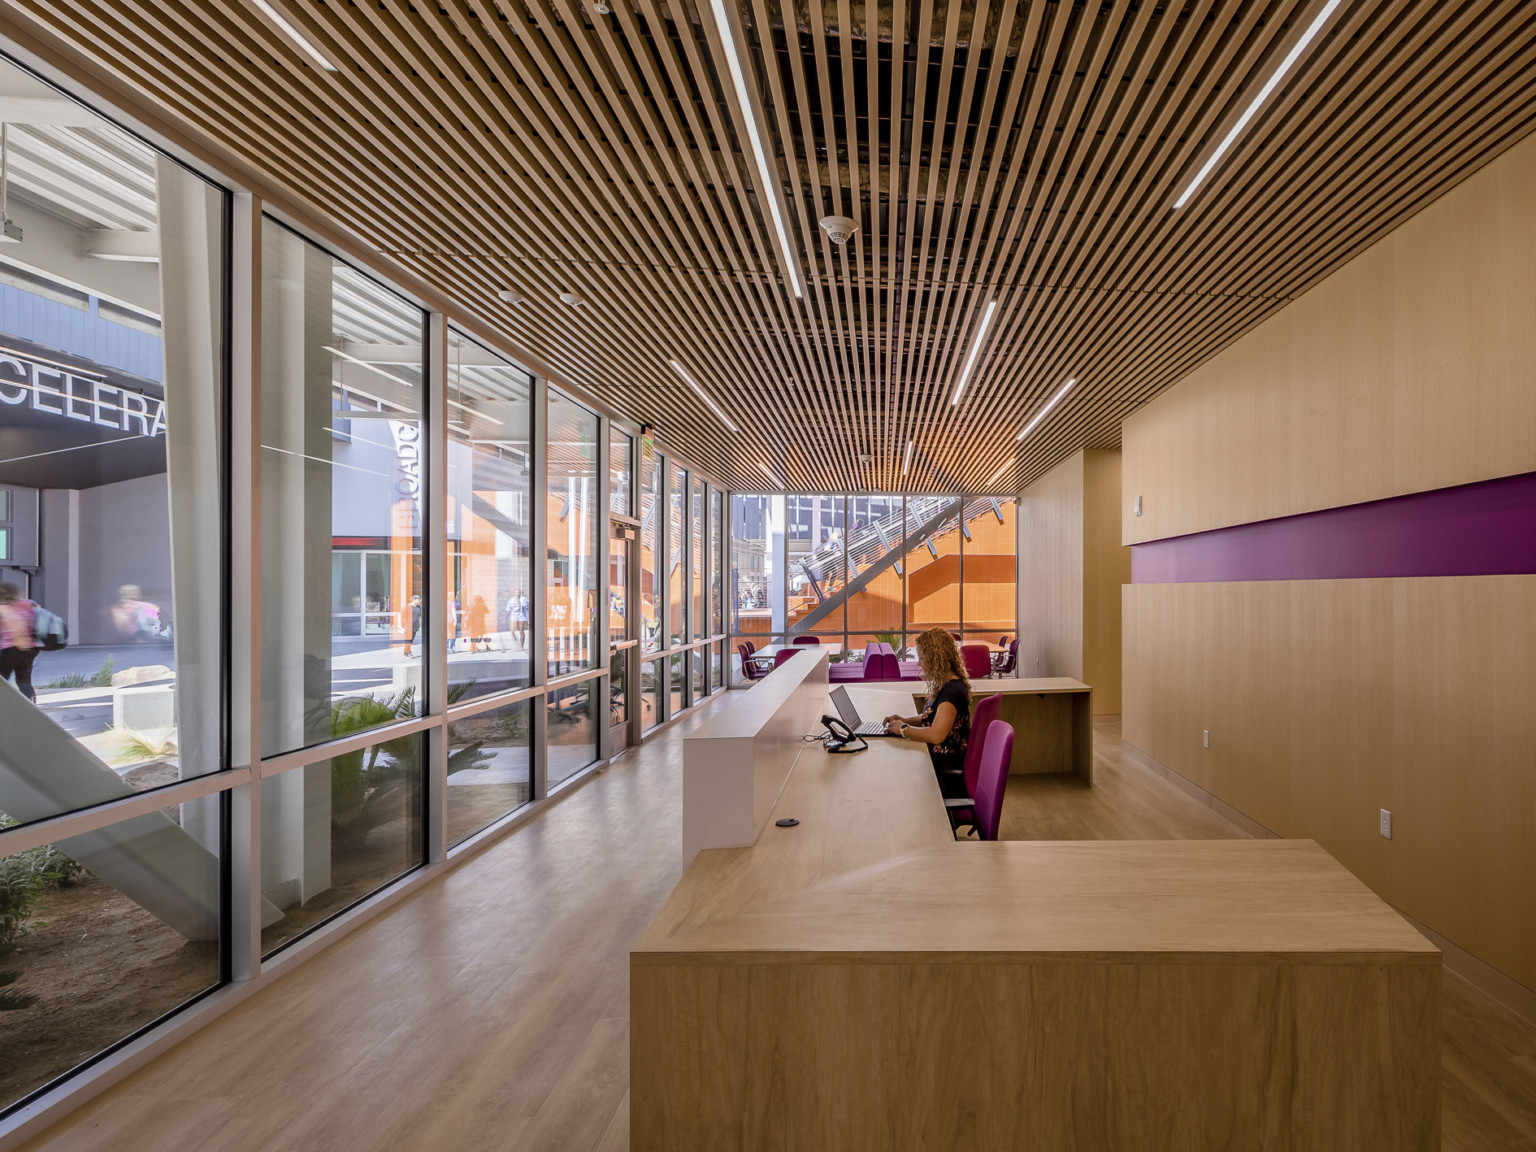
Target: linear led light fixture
{"type": "Point", "coordinates": [998, 475]}
{"type": "Point", "coordinates": [1049, 404]}
{"type": "Point", "coordinates": [759, 153]}
{"type": "Point", "coordinates": [705, 396]}
{"type": "Point", "coordinates": [970, 361]}
{"type": "Point", "coordinates": [1258, 100]}
{"type": "Point", "coordinates": [772, 479]}
{"type": "Point", "coordinates": [286, 27]}
{"type": "Point", "coordinates": [906, 465]}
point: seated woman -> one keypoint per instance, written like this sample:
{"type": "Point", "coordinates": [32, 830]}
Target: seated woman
{"type": "Point", "coordinates": [945, 724]}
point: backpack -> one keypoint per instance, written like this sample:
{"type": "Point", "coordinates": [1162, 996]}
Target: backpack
{"type": "Point", "coordinates": [50, 631]}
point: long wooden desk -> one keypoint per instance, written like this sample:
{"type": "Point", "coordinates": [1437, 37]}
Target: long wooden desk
{"type": "Point", "coordinates": [864, 981]}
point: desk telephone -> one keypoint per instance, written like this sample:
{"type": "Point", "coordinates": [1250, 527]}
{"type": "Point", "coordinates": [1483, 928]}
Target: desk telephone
{"type": "Point", "coordinates": [840, 738]}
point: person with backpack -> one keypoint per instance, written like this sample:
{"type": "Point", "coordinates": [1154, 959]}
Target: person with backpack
{"type": "Point", "coordinates": [18, 640]}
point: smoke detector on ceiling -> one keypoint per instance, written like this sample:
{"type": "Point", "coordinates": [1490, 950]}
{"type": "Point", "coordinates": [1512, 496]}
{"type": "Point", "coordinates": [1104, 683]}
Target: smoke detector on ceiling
{"type": "Point", "coordinates": [600, 7]}
{"type": "Point", "coordinates": [507, 296]}
{"type": "Point", "coordinates": [839, 229]}
{"type": "Point", "coordinates": [572, 299]}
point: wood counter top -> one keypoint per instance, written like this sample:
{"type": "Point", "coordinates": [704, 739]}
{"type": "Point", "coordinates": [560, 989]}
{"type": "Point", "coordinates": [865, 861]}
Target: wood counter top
{"type": "Point", "coordinates": [873, 869]}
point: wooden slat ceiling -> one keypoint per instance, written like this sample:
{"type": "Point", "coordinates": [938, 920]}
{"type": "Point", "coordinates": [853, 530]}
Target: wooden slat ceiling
{"type": "Point", "coordinates": [1013, 150]}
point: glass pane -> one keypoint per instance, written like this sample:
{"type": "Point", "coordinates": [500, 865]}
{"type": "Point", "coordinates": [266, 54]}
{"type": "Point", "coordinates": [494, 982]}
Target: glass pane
{"type": "Point", "coordinates": [875, 534]}
{"type": "Point", "coordinates": [335, 831]}
{"type": "Point", "coordinates": [572, 740]}
{"type": "Point", "coordinates": [717, 666]}
{"type": "Point", "coordinates": [650, 694]}
{"type": "Point", "coordinates": [487, 767]}
{"type": "Point", "coordinates": [619, 448]}
{"type": "Point", "coordinates": [571, 583]}
{"type": "Point", "coordinates": [618, 689]}
{"type": "Point", "coordinates": [341, 472]}
{"type": "Point", "coordinates": [100, 935]}
{"type": "Point", "coordinates": [696, 660]}
{"type": "Point", "coordinates": [650, 525]}
{"type": "Point", "coordinates": [991, 560]}
{"type": "Point", "coordinates": [677, 487]}
{"type": "Point", "coordinates": [756, 523]}
{"type": "Point", "coordinates": [618, 589]}
{"type": "Point", "coordinates": [490, 465]}
{"type": "Point", "coordinates": [716, 565]}
{"type": "Point", "coordinates": [111, 445]}
{"type": "Point", "coordinates": [675, 674]}
{"type": "Point", "coordinates": [932, 563]}
{"type": "Point", "coordinates": [696, 531]}
{"type": "Point", "coordinates": [815, 577]}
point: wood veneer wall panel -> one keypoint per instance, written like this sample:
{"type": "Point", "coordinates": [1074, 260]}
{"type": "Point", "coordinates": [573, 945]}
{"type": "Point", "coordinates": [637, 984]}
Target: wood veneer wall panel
{"type": "Point", "coordinates": [1106, 566]}
{"type": "Point", "coordinates": [1051, 573]}
{"type": "Point", "coordinates": [1328, 700]}
{"type": "Point", "coordinates": [1411, 367]}
{"type": "Point", "coordinates": [1071, 566]}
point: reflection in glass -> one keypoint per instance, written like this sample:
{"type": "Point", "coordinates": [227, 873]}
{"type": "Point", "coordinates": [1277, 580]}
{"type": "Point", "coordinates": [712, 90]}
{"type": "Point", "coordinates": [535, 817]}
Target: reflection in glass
{"type": "Point", "coordinates": [696, 660]}
{"type": "Point", "coordinates": [100, 935]}
{"type": "Point", "coordinates": [990, 571]}
{"type": "Point", "coordinates": [696, 533]}
{"type": "Point", "coordinates": [490, 465]}
{"type": "Point", "coordinates": [572, 740]}
{"type": "Point", "coordinates": [650, 527]}
{"type": "Point", "coordinates": [756, 599]}
{"type": "Point", "coordinates": [716, 666]}
{"type": "Point", "coordinates": [487, 767]}
{"type": "Point", "coordinates": [650, 694]}
{"type": "Point", "coordinates": [111, 462]}
{"type": "Point", "coordinates": [335, 831]}
{"type": "Point", "coordinates": [341, 502]}
{"type": "Point", "coordinates": [618, 689]}
{"type": "Point", "coordinates": [571, 582]}
{"type": "Point", "coordinates": [675, 678]}
{"type": "Point", "coordinates": [619, 448]}
{"type": "Point", "coordinates": [814, 568]}
{"type": "Point", "coordinates": [716, 553]}
{"type": "Point", "coordinates": [677, 539]}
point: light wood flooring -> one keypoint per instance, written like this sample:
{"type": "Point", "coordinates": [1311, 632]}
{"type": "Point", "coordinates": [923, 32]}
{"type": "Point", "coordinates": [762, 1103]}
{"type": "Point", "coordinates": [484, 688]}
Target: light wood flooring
{"type": "Point", "coordinates": [490, 1010]}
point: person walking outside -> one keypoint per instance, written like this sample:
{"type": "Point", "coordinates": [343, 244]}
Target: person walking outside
{"type": "Point", "coordinates": [413, 624]}
{"type": "Point", "coordinates": [18, 644]}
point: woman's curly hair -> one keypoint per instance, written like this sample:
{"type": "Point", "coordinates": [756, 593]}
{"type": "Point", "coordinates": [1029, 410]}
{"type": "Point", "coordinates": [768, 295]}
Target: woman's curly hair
{"type": "Point", "coordinates": [939, 656]}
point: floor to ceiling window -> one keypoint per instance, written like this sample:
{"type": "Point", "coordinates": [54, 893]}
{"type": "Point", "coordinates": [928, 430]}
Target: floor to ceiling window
{"type": "Point", "coordinates": [857, 569]}
{"type": "Point", "coordinates": [304, 609]}
{"type": "Point", "coordinates": [113, 405]}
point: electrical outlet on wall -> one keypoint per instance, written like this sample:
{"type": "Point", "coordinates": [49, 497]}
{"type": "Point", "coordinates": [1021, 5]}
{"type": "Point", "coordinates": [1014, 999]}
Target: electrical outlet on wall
{"type": "Point", "coordinates": [1205, 737]}
{"type": "Point", "coordinates": [1386, 824]}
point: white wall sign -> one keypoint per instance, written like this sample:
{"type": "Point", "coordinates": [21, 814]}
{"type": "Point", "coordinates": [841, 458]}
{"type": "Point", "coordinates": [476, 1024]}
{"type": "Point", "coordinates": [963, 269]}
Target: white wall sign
{"type": "Point", "coordinates": [73, 394]}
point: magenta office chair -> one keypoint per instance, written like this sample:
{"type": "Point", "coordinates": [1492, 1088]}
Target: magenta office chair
{"type": "Point", "coordinates": [985, 804]}
{"type": "Point", "coordinates": [782, 655]}
{"type": "Point", "coordinates": [1007, 661]}
{"type": "Point", "coordinates": [977, 659]}
{"type": "Point", "coordinates": [803, 639]}
{"type": "Point", "coordinates": [752, 667]}
{"type": "Point", "coordinates": [983, 714]}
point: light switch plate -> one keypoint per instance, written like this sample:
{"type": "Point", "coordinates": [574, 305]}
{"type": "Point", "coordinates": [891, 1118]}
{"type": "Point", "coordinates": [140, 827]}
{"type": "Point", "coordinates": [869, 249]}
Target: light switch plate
{"type": "Point", "coordinates": [1386, 824]}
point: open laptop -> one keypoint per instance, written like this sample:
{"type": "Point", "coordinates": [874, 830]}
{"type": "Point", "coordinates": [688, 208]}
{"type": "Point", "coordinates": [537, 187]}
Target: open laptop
{"type": "Point", "coordinates": [850, 715]}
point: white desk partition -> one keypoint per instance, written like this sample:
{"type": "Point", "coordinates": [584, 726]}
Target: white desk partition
{"type": "Point", "coordinates": [735, 764]}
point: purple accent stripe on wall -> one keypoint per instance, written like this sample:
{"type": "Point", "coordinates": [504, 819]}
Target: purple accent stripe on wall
{"type": "Point", "coordinates": [1480, 529]}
